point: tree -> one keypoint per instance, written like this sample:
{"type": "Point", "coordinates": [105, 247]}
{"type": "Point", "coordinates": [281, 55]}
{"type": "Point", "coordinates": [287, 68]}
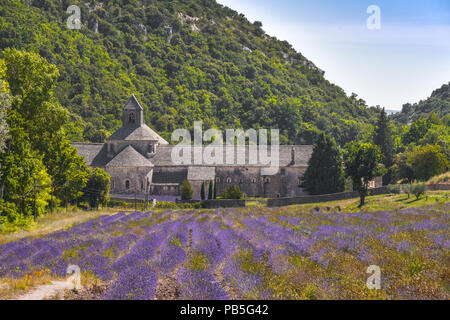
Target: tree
{"type": "Point", "coordinates": [362, 164]}
{"type": "Point", "coordinates": [427, 162]}
{"type": "Point", "coordinates": [416, 131]}
{"type": "Point", "coordinates": [96, 191]}
{"type": "Point", "coordinates": [402, 169]}
{"type": "Point", "coordinates": [210, 191]}
{"type": "Point", "coordinates": [68, 171]}
{"type": "Point", "coordinates": [5, 102]}
{"type": "Point", "coordinates": [233, 192]}
{"type": "Point", "coordinates": [215, 189]}
{"type": "Point", "coordinates": [383, 139]}
{"type": "Point", "coordinates": [186, 191]}
{"type": "Point", "coordinates": [31, 81]}
{"type": "Point", "coordinates": [325, 173]}
{"type": "Point", "coordinates": [202, 191]}
{"type": "Point", "coordinates": [418, 189]}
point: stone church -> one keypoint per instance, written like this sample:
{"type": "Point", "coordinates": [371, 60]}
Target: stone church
{"type": "Point", "coordinates": [138, 159]}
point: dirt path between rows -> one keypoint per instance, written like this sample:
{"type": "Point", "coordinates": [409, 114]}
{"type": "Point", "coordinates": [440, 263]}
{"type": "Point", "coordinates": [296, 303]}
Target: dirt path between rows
{"type": "Point", "coordinates": [46, 291]}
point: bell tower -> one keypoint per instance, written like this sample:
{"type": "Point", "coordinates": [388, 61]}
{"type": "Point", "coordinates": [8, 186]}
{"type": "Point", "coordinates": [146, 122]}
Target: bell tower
{"type": "Point", "coordinates": [133, 113]}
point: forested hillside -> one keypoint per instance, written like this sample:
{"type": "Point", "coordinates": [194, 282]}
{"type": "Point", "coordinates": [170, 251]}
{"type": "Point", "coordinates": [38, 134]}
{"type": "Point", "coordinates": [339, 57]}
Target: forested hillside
{"type": "Point", "coordinates": [185, 60]}
{"type": "Point", "coordinates": [438, 102]}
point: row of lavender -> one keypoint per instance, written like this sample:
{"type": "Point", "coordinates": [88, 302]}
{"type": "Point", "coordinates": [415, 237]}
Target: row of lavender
{"type": "Point", "coordinates": [246, 253]}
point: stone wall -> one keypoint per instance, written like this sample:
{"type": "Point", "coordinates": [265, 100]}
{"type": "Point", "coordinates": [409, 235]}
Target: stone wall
{"type": "Point", "coordinates": [253, 184]}
{"type": "Point", "coordinates": [136, 177]}
{"type": "Point", "coordinates": [321, 198]}
{"type": "Point", "coordinates": [439, 186]}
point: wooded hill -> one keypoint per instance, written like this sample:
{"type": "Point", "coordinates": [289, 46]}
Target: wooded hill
{"type": "Point", "coordinates": [215, 66]}
{"type": "Point", "coordinates": [438, 102]}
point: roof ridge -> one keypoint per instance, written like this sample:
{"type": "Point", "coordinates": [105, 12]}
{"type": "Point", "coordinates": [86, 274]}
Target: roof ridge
{"type": "Point", "coordinates": [132, 157]}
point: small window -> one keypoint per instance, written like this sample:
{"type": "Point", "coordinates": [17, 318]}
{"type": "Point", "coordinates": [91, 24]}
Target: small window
{"type": "Point", "coordinates": [127, 184]}
{"type": "Point", "coordinates": [131, 118]}
{"type": "Point", "coordinates": [241, 181]}
{"type": "Point", "coordinates": [283, 171]}
{"type": "Point", "coordinates": [217, 180]}
{"type": "Point", "coordinates": [253, 180]}
{"type": "Point", "coordinates": [142, 185]}
{"type": "Point", "coordinates": [267, 180]}
{"type": "Point", "coordinates": [228, 180]}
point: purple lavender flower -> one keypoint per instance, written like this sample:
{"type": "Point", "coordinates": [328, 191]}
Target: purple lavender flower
{"type": "Point", "coordinates": [137, 283]}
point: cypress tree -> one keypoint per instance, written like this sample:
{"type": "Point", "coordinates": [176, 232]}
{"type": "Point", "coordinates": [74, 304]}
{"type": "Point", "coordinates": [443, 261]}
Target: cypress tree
{"type": "Point", "coordinates": [325, 172]}
{"type": "Point", "coordinates": [215, 190]}
{"type": "Point", "coordinates": [186, 191]}
{"type": "Point", "coordinates": [202, 191]}
{"type": "Point", "coordinates": [383, 139]}
{"type": "Point", "coordinates": [210, 190]}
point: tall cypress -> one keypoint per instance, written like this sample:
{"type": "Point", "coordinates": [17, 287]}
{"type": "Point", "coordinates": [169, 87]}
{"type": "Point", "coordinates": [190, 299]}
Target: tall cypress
{"type": "Point", "coordinates": [325, 172]}
{"type": "Point", "coordinates": [215, 190]}
{"type": "Point", "coordinates": [383, 139]}
{"type": "Point", "coordinates": [202, 191]}
{"type": "Point", "coordinates": [210, 190]}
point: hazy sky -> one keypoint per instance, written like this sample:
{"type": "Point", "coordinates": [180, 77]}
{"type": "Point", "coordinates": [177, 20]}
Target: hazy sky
{"type": "Point", "coordinates": [404, 61]}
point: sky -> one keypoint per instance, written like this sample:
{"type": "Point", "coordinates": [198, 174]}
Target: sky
{"type": "Point", "coordinates": [403, 61]}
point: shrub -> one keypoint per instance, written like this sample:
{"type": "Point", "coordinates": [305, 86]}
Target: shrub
{"type": "Point", "coordinates": [406, 189]}
{"type": "Point", "coordinates": [394, 188]}
{"type": "Point", "coordinates": [232, 192]}
{"type": "Point", "coordinates": [418, 189]}
{"type": "Point", "coordinates": [186, 191]}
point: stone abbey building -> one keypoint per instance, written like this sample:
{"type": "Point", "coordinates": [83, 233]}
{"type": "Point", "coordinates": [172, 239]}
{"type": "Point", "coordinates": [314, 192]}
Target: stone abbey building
{"type": "Point", "coordinates": [138, 159]}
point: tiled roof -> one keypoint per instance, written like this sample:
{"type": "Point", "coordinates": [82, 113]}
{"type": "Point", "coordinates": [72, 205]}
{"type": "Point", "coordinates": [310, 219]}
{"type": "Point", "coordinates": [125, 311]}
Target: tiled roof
{"type": "Point", "coordinates": [93, 153]}
{"type": "Point", "coordinates": [302, 153]}
{"type": "Point", "coordinates": [129, 157]}
{"type": "Point", "coordinates": [137, 133]}
{"type": "Point", "coordinates": [133, 103]}
{"type": "Point", "coordinates": [167, 177]}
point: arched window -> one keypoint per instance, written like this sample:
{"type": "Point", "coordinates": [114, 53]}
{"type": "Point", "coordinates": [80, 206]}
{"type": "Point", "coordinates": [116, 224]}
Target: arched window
{"type": "Point", "coordinates": [127, 184]}
{"type": "Point", "coordinates": [131, 118]}
{"type": "Point", "coordinates": [253, 180]}
{"type": "Point", "coordinates": [142, 185]}
{"type": "Point", "coordinates": [217, 180]}
{"type": "Point", "coordinates": [228, 180]}
{"type": "Point", "coordinates": [267, 180]}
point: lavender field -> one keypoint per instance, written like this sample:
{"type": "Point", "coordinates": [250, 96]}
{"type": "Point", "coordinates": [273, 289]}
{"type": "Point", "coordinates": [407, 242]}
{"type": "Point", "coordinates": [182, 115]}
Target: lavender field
{"type": "Point", "coordinates": [249, 253]}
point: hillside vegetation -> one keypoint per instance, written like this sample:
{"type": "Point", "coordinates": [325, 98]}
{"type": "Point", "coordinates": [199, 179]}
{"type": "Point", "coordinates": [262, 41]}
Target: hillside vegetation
{"type": "Point", "coordinates": [438, 103]}
{"type": "Point", "coordinates": [215, 66]}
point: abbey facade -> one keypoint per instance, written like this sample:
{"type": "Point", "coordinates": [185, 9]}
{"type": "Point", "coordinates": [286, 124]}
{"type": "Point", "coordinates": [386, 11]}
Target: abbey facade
{"type": "Point", "coordinates": [138, 159]}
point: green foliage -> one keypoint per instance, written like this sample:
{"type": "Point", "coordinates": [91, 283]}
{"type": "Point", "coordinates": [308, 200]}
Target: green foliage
{"type": "Point", "coordinates": [233, 192]}
{"type": "Point", "coordinates": [202, 191]}
{"type": "Point", "coordinates": [205, 74]}
{"type": "Point", "coordinates": [325, 173]}
{"type": "Point", "coordinates": [5, 103]}
{"type": "Point", "coordinates": [215, 190]}
{"type": "Point", "coordinates": [418, 189]}
{"type": "Point", "coordinates": [416, 131]}
{"type": "Point", "coordinates": [427, 161]}
{"type": "Point", "coordinates": [210, 191]}
{"type": "Point", "coordinates": [186, 191]}
{"type": "Point", "coordinates": [362, 164]}
{"type": "Point", "coordinates": [383, 139]}
{"type": "Point", "coordinates": [394, 188]}
{"type": "Point", "coordinates": [96, 191]}
{"type": "Point", "coordinates": [438, 103]}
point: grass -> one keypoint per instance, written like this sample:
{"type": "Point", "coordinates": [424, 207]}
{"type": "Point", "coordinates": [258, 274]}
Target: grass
{"type": "Point", "coordinates": [53, 222]}
{"type": "Point", "coordinates": [382, 202]}
{"type": "Point", "coordinates": [443, 178]}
